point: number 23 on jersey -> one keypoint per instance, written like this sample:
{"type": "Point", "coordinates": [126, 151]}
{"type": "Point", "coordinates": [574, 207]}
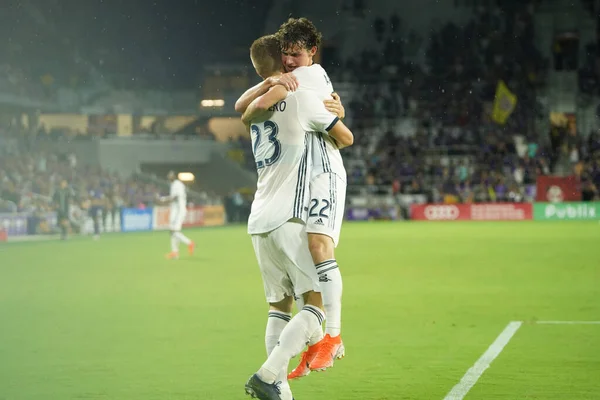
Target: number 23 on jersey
{"type": "Point", "coordinates": [269, 152]}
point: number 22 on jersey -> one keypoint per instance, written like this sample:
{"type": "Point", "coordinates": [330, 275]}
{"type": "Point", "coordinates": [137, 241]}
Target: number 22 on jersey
{"type": "Point", "coordinates": [270, 151]}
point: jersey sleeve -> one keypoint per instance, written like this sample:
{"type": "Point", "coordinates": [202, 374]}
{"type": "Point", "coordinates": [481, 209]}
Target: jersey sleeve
{"type": "Point", "coordinates": [312, 113]}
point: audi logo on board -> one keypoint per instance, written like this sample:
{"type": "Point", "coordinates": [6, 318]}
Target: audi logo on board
{"type": "Point", "coordinates": [440, 213]}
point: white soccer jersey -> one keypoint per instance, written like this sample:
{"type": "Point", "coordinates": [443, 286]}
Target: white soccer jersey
{"type": "Point", "coordinates": [314, 78]}
{"type": "Point", "coordinates": [326, 157]}
{"type": "Point", "coordinates": [178, 191]}
{"type": "Point", "coordinates": [280, 146]}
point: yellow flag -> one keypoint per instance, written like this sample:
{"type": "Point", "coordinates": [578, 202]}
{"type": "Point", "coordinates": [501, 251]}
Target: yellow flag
{"type": "Point", "coordinates": [504, 103]}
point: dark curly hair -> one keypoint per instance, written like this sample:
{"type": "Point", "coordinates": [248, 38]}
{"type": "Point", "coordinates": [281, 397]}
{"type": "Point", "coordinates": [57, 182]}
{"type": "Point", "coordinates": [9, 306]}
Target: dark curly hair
{"type": "Point", "coordinates": [299, 31]}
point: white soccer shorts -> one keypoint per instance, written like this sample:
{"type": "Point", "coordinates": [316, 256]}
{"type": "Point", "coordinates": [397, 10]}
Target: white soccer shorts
{"type": "Point", "coordinates": [176, 219]}
{"type": "Point", "coordinates": [285, 262]}
{"type": "Point", "coordinates": [326, 207]}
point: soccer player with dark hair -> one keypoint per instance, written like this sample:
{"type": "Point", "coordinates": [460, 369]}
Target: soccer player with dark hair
{"type": "Point", "coordinates": [299, 41]}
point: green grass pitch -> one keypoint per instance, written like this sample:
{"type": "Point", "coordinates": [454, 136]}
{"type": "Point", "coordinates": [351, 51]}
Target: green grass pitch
{"type": "Point", "coordinates": [112, 319]}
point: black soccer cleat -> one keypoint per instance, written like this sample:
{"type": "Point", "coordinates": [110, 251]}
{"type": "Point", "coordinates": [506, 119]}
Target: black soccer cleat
{"type": "Point", "coordinates": [259, 389]}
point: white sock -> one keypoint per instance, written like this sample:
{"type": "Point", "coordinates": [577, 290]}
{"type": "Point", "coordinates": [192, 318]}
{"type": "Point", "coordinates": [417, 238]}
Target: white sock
{"type": "Point", "coordinates": [286, 391]}
{"type": "Point", "coordinates": [331, 284]}
{"type": "Point", "coordinates": [318, 335]}
{"type": "Point", "coordinates": [184, 239]}
{"type": "Point", "coordinates": [291, 342]}
{"type": "Point", "coordinates": [276, 322]}
{"type": "Point", "coordinates": [174, 243]}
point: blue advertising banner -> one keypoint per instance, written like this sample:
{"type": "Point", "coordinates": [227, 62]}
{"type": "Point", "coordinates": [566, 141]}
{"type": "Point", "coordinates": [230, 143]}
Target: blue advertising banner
{"type": "Point", "coordinates": [136, 220]}
{"type": "Point", "coordinates": [14, 224]}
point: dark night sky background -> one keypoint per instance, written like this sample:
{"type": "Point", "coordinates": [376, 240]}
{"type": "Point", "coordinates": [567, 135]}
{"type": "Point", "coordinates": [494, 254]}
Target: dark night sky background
{"type": "Point", "coordinates": [162, 41]}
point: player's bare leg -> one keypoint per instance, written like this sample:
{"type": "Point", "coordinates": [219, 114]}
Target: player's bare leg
{"type": "Point", "coordinates": [322, 251]}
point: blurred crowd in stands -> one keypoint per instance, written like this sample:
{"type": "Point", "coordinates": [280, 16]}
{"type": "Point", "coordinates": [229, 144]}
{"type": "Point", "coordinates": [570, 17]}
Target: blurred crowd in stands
{"type": "Point", "coordinates": [420, 129]}
{"type": "Point", "coordinates": [31, 171]}
{"type": "Point", "coordinates": [452, 150]}
{"type": "Point", "coordinates": [29, 179]}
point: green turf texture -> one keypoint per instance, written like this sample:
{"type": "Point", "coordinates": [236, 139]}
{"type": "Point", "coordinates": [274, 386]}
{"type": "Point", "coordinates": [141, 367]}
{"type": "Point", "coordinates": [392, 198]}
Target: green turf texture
{"type": "Point", "coordinates": [112, 319]}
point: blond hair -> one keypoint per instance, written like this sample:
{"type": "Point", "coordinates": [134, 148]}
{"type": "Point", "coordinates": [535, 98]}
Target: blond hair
{"type": "Point", "coordinates": [266, 55]}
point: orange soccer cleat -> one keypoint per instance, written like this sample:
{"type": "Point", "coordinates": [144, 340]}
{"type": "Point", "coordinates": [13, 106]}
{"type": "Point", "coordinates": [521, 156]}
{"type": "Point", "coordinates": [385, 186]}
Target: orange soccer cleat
{"type": "Point", "coordinates": [172, 256]}
{"type": "Point", "coordinates": [191, 248]}
{"type": "Point", "coordinates": [330, 348]}
{"type": "Point", "coordinates": [303, 368]}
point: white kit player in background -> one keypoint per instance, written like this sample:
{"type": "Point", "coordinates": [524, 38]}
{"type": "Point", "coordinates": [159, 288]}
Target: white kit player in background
{"type": "Point", "coordinates": [177, 200]}
{"type": "Point", "coordinates": [280, 131]}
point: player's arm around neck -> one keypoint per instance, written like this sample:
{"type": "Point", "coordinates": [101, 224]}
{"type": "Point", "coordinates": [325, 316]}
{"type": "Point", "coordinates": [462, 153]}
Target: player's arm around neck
{"type": "Point", "coordinates": [342, 135]}
{"type": "Point", "coordinates": [287, 81]}
{"type": "Point", "coordinates": [263, 103]}
{"type": "Point", "coordinates": [251, 94]}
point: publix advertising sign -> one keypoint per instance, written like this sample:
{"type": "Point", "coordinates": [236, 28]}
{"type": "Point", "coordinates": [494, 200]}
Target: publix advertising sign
{"type": "Point", "coordinates": [566, 211]}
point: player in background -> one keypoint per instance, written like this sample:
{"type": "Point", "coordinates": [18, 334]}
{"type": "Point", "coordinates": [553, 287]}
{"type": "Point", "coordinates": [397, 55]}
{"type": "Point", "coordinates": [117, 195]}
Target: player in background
{"type": "Point", "coordinates": [177, 199]}
{"type": "Point", "coordinates": [97, 209]}
{"type": "Point", "coordinates": [62, 203]}
{"type": "Point", "coordinates": [110, 209]}
{"type": "Point", "coordinates": [280, 132]}
{"type": "Point", "coordinates": [299, 41]}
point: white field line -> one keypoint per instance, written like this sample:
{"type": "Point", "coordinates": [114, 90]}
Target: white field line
{"type": "Point", "coordinates": [461, 389]}
{"type": "Point", "coordinates": [568, 322]}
